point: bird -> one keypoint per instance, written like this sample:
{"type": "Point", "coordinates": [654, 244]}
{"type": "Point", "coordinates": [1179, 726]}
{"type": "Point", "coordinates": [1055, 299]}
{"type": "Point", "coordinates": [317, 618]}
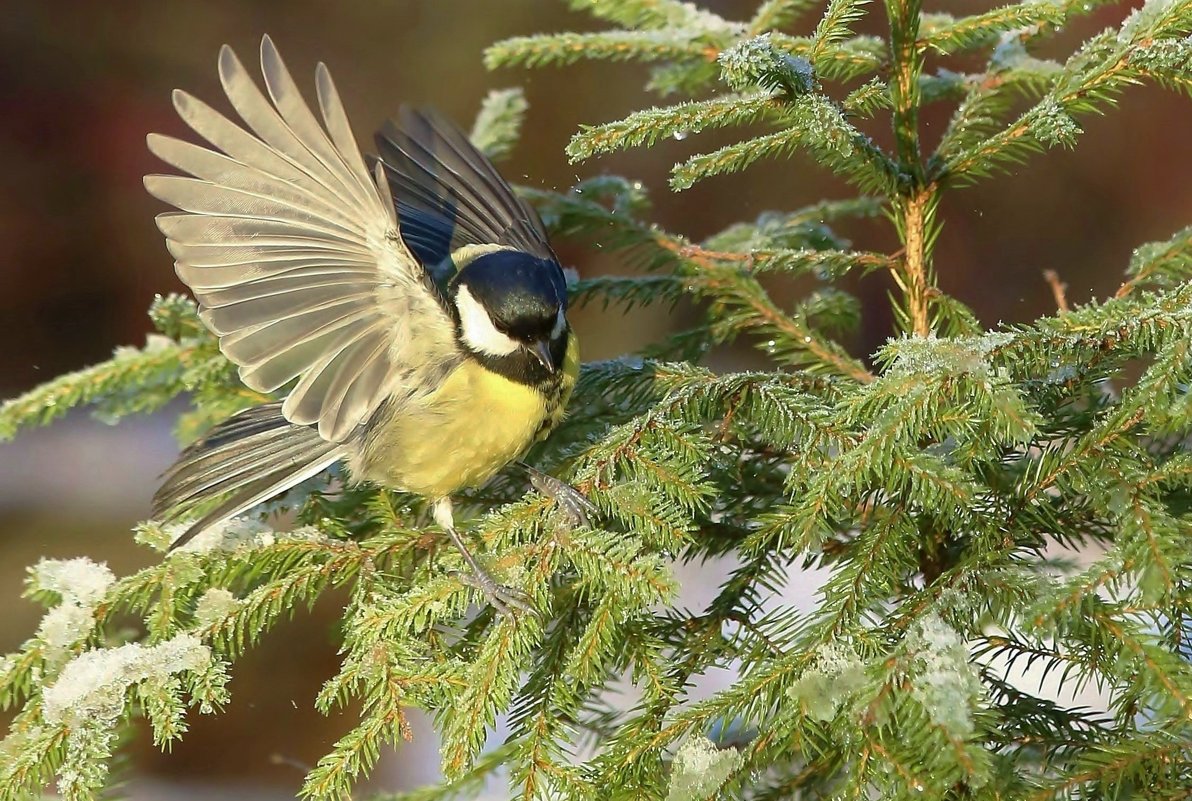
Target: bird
{"type": "Point", "coordinates": [407, 309]}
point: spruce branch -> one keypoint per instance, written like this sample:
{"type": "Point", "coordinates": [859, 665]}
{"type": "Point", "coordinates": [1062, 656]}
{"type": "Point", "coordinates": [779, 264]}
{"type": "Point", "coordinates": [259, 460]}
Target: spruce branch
{"type": "Point", "coordinates": [629, 292]}
{"type": "Point", "coordinates": [826, 211]}
{"type": "Point", "coordinates": [915, 204]}
{"type": "Point", "coordinates": [1090, 79]}
{"type": "Point", "coordinates": [182, 358]}
{"type": "Point", "coordinates": [835, 25]}
{"type": "Point", "coordinates": [774, 14]}
{"type": "Point", "coordinates": [1151, 760]}
{"type": "Point", "coordinates": [868, 99]}
{"type": "Point", "coordinates": [490, 685]}
{"type": "Point", "coordinates": [838, 59]}
{"type": "Point", "coordinates": [654, 14]}
{"type": "Point", "coordinates": [759, 63]}
{"type": "Point", "coordinates": [119, 383]}
{"type": "Point", "coordinates": [465, 786]}
{"type": "Point", "coordinates": [729, 289]}
{"type": "Point", "coordinates": [568, 48]}
{"type": "Point", "coordinates": [979, 30]}
{"type": "Point", "coordinates": [499, 121]}
{"type": "Point", "coordinates": [382, 723]}
{"type": "Point", "coordinates": [989, 98]}
{"type": "Point", "coordinates": [718, 276]}
{"type": "Point", "coordinates": [826, 264]}
{"type": "Point", "coordinates": [1059, 289]}
{"type": "Point", "coordinates": [1159, 264]}
{"type": "Point", "coordinates": [645, 128]}
{"type": "Point", "coordinates": [688, 77]}
{"type": "Point", "coordinates": [813, 122]}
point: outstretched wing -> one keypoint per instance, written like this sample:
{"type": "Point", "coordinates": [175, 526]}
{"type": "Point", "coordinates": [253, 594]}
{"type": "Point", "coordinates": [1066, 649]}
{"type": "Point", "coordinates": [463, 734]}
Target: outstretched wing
{"type": "Point", "coordinates": [291, 246]}
{"type": "Point", "coordinates": [449, 194]}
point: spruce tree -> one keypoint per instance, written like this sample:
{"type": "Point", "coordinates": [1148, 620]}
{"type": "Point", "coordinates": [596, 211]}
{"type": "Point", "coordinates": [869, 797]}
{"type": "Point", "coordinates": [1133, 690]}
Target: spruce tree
{"type": "Point", "coordinates": [931, 478]}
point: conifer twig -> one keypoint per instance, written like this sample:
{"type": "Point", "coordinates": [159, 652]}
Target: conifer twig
{"type": "Point", "coordinates": [771, 315]}
{"type": "Point", "coordinates": [1059, 290]}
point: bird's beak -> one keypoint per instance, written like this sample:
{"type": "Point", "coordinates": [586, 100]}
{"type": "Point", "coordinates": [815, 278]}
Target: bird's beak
{"type": "Point", "coordinates": [541, 351]}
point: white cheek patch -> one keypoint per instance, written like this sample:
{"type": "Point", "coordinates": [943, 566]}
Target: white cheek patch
{"type": "Point", "coordinates": [560, 325]}
{"type": "Point", "coordinates": [477, 329]}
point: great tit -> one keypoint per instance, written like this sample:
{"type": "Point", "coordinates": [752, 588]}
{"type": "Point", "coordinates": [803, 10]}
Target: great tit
{"type": "Point", "coordinates": [414, 298]}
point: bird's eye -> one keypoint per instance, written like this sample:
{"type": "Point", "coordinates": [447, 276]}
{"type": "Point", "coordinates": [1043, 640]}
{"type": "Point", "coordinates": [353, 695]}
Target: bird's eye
{"type": "Point", "coordinates": [479, 330]}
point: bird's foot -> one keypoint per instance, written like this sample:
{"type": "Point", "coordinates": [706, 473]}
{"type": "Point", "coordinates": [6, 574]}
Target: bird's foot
{"type": "Point", "coordinates": [503, 599]}
{"type": "Point", "coordinates": [573, 503]}
{"type": "Point", "coordinates": [500, 596]}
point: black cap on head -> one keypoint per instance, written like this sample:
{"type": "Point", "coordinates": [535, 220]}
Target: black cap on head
{"type": "Point", "coordinates": [522, 294]}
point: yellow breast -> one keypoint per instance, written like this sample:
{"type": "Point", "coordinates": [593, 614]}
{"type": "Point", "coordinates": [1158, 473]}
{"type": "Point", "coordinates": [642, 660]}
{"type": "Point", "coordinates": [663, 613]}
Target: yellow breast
{"type": "Point", "coordinates": [460, 435]}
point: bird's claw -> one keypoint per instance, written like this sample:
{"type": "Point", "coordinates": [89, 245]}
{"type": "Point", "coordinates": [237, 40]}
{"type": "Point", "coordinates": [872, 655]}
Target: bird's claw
{"type": "Point", "coordinates": [500, 596]}
{"type": "Point", "coordinates": [573, 503]}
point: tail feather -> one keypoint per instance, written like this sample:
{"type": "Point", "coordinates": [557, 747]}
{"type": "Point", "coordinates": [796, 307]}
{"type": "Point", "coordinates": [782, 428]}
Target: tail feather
{"type": "Point", "coordinates": [211, 451]}
{"type": "Point", "coordinates": [237, 463]}
{"type": "Point", "coordinates": [249, 458]}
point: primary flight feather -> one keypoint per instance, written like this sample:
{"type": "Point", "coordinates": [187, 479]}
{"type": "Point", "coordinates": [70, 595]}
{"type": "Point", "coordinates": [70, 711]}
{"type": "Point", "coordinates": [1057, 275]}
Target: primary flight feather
{"type": "Point", "coordinates": [415, 305]}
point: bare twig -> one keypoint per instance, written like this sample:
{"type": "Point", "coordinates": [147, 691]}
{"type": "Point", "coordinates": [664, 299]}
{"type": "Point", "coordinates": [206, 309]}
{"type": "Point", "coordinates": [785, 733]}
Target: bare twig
{"type": "Point", "coordinates": [1059, 289]}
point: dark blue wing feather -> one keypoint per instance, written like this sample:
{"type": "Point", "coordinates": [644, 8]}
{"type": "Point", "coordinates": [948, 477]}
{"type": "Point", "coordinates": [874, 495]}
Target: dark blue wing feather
{"type": "Point", "coordinates": [427, 234]}
{"type": "Point", "coordinates": [448, 194]}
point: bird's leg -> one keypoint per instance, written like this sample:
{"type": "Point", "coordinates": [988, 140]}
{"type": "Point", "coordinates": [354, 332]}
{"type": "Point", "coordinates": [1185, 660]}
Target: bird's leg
{"type": "Point", "coordinates": [500, 596]}
{"type": "Point", "coordinates": [571, 501]}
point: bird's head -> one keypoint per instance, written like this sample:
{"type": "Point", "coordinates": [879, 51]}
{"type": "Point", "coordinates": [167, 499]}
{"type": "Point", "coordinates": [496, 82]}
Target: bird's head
{"type": "Point", "coordinates": [511, 309]}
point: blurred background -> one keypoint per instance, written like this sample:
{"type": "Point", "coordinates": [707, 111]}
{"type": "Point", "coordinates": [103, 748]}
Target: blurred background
{"type": "Point", "coordinates": [81, 260]}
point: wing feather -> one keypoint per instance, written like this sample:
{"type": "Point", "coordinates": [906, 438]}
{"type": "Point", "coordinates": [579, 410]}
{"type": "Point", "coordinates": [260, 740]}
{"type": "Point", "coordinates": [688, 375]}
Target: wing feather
{"type": "Point", "coordinates": [224, 276]}
{"type": "Point", "coordinates": [284, 285]}
{"type": "Point", "coordinates": [275, 369]}
{"type": "Point", "coordinates": [233, 140]}
{"type": "Point", "coordinates": [206, 197]}
{"type": "Point", "coordinates": [191, 230]}
{"type": "Point", "coordinates": [301, 121]}
{"type": "Point", "coordinates": [338, 369]}
{"type": "Point", "coordinates": [272, 260]}
{"type": "Point", "coordinates": [449, 194]}
{"type": "Point", "coordinates": [264, 120]}
{"type": "Point", "coordinates": [480, 199]}
{"type": "Point", "coordinates": [292, 249]}
{"type": "Point", "coordinates": [336, 120]}
{"type": "Point", "coordinates": [219, 169]}
{"type": "Point", "coordinates": [413, 181]}
{"type": "Point", "coordinates": [299, 303]}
